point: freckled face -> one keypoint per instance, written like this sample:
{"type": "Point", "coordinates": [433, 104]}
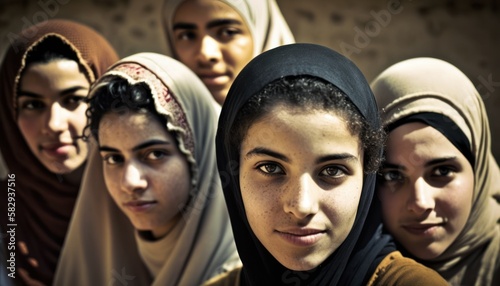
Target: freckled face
{"type": "Point", "coordinates": [426, 188]}
{"type": "Point", "coordinates": [145, 172]}
{"type": "Point", "coordinates": [301, 183]}
{"type": "Point", "coordinates": [214, 41]}
{"type": "Point", "coordinates": [51, 113]}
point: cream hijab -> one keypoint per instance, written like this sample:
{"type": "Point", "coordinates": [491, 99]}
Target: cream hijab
{"type": "Point", "coordinates": [432, 85]}
{"type": "Point", "coordinates": [102, 248]}
{"type": "Point", "coordinates": [263, 17]}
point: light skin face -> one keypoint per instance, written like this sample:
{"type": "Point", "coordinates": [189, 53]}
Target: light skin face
{"type": "Point", "coordinates": [214, 41]}
{"type": "Point", "coordinates": [145, 172]}
{"type": "Point", "coordinates": [51, 113]}
{"type": "Point", "coordinates": [426, 189]}
{"type": "Point", "coordinates": [301, 183]}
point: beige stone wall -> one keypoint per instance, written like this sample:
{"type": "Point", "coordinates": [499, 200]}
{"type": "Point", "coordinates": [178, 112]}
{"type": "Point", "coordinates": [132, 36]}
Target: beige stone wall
{"type": "Point", "coordinates": [374, 34]}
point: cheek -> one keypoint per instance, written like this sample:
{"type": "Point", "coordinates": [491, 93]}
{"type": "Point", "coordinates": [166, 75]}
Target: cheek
{"type": "Point", "coordinates": [186, 55]}
{"type": "Point", "coordinates": [258, 199]}
{"type": "Point", "coordinates": [177, 177]}
{"type": "Point", "coordinates": [458, 200]}
{"type": "Point", "coordinates": [112, 181]}
{"type": "Point", "coordinates": [29, 129]}
{"type": "Point", "coordinates": [79, 119]}
{"type": "Point", "coordinates": [241, 52]}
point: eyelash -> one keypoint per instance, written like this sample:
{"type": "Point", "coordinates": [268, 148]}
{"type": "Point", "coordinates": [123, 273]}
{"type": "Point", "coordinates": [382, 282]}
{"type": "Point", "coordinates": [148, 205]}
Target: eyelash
{"type": "Point", "coordinates": [267, 164]}
{"type": "Point", "coordinates": [69, 101]}
{"type": "Point", "coordinates": [109, 157]}
{"type": "Point", "coordinates": [399, 177]}
{"type": "Point", "coordinates": [158, 155]}
{"type": "Point", "coordinates": [323, 173]}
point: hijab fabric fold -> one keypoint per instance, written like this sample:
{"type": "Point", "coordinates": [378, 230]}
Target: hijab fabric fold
{"type": "Point", "coordinates": [44, 200]}
{"type": "Point", "coordinates": [428, 85]}
{"type": "Point", "coordinates": [355, 260]}
{"type": "Point", "coordinates": [102, 246]}
{"type": "Point", "coordinates": [263, 17]}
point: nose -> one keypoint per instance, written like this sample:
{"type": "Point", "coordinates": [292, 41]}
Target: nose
{"type": "Point", "coordinates": [210, 51]}
{"type": "Point", "coordinates": [133, 179]}
{"type": "Point", "coordinates": [57, 120]}
{"type": "Point", "coordinates": [421, 197]}
{"type": "Point", "coordinates": [302, 201]}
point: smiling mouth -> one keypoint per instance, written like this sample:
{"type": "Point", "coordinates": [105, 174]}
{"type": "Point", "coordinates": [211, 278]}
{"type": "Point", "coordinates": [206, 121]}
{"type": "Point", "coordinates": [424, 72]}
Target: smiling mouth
{"type": "Point", "coordinates": [423, 229]}
{"type": "Point", "coordinates": [302, 237]}
{"type": "Point", "coordinates": [56, 149]}
{"type": "Point", "coordinates": [139, 206]}
{"type": "Point", "coordinates": [214, 79]}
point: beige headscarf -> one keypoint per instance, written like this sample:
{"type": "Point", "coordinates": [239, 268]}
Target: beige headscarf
{"type": "Point", "coordinates": [432, 85]}
{"type": "Point", "coordinates": [102, 247]}
{"type": "Point", "coordinates": [263, 17]}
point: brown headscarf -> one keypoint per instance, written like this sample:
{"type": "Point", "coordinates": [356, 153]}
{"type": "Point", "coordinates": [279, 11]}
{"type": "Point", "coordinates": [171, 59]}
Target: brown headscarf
{"type": "Point", "coordinates": [44, 201]}
{"type": "Point", "coordinates": [431, 85]}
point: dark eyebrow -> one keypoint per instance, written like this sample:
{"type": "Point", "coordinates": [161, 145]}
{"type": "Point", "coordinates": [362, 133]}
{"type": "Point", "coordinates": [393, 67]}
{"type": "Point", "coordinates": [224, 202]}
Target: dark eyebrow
{"type": "Point", "coordinates": [222, 22]}
{"type": "Point", "coordinates": [428, 164]}
{"type": "Point", "coordinates": [138, 147]}
{"type": "Point", "coordinates": [211, 24]}
{"type": "Point", "coordinates": [61, 93]}
{"type": "Point", "coordinates": [386, 165]}
{"type": "Point", "coordinates": [440, 160]}
{"type": "Point", "coordinates": [184, 26]}
{"type": "Point", "coordinates": [267, 152]}
{"type": "Point", "coordinates": [342, 156]}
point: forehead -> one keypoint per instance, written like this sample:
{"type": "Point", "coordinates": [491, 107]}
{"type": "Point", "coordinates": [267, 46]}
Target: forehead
{"type": "Point", "coordinates": [130, 128]}
{"type": "Point", "coordinates": [304, 127]}
{"type": "Point", "coordinates": [418, 141]}
{"type": "Point", "coordinates": [200, 11]}
{"type": "Point", "coordinates": [54, 70]}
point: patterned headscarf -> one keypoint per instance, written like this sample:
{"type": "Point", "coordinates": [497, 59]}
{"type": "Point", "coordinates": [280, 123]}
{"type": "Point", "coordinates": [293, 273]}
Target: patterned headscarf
{"type": "Point", "coordinates": [201, 244]}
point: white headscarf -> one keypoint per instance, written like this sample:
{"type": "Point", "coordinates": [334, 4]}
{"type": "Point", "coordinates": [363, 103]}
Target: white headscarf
{"type": "Point", "coordinates": [263, 17]}
{"type": "Point", "coordinates": [102, 248]}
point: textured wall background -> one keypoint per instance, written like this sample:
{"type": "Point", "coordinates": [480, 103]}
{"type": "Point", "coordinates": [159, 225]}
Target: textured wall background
{"type": "Point", "coordinates": [374, 34]}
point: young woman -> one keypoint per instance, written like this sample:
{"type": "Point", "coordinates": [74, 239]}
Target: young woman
{"type": "Point", "coordinates": [298, 144]}
{"type": "Point", "coordinates": [217, 38]}
{"type": "Point", "coordinates": [439, 185]}
{"type": "Point", "coordinates": [162, 220]}
{"type": "Point", "coordinates": [45, 77]}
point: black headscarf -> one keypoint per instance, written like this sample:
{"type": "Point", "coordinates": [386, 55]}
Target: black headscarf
{"type": "Point", "coordinates": [355, 260]}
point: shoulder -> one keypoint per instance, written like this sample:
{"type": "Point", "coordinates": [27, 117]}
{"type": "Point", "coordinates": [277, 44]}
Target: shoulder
{"type": "Point", "coordinates": [398, 270]}
{"type": "Point", "coordinates": [231, 278]}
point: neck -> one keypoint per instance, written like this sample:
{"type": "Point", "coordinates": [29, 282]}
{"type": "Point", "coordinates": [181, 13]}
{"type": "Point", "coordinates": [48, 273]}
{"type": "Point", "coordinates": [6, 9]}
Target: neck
{"type": "Point", "coordinates": [74, 178]}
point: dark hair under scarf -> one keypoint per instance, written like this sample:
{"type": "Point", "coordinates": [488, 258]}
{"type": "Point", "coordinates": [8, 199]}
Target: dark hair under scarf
{"type": "Point", "coordinates": [356, 259]}
{"type": "Point", "coordinates": [44, 201]}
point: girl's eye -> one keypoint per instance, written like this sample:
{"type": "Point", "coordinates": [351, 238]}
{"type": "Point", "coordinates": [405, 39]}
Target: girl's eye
{"type": "Point", "coordinates": [228, 33]}
{"type": "Point", "coordinates": [185, 36]}
{"type": "Point", "coordinates": [156, 155]}
{"type": "Point", "coordinates": [332, 171]}
{"type": "Point", "coordinates": [390, 176]}
{"type": "Point", "coordinates": [113, 159]}
{"type": "Point", "coordinates": [271, 169]}
{"type": "Point", "coordinates": [73, 101]}
{"type": "Point", "coordinates": [32, 105]}
{"type": "Point", "coordinates": [442, 171]}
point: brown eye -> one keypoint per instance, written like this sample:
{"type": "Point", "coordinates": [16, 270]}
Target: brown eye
{"type": "Point", "coordinates": [270, 169]}
{"type": "Point", "coordinates": [332, 171]}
